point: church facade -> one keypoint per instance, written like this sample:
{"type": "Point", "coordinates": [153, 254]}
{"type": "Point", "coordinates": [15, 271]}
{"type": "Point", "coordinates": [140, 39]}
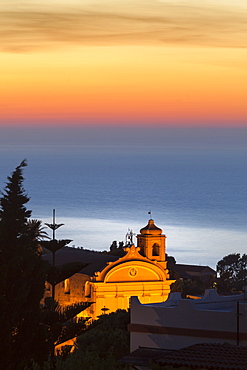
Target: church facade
{"type": "Point", "coordinates": [109, 281]}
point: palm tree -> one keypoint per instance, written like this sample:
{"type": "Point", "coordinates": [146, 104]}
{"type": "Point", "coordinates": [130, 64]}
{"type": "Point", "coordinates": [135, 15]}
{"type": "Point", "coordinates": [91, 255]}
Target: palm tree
{"type": "Point", "coordinates": [37, 231]}
{"type": "Point", "coordinates": [35, 227]}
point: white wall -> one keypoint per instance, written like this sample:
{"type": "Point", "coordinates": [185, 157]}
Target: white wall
{"type": "Point", "coordinates": [178, 323]}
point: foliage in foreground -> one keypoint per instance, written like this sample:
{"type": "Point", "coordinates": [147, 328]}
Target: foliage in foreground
{"type": "Point", "coordinates": [102, 346]}
{"type": "Point", "coordinates": [28, 331]}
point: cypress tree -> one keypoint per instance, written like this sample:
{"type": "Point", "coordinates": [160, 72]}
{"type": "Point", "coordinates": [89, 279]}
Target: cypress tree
{"type": "Point", "coordinates": [22, 277]}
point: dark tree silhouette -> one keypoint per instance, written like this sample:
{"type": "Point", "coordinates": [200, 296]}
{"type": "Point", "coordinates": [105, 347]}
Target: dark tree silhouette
{"type": "Point", "coordinates": [38, 231]}
{"type": "Point", "coordinates": [116, 249]}
{"type": "Point", "coordinates": [53, 246]}
{"type": "Point", "coordinates": [22, 277]}
{"type": "Point", "coordinates": [61, 322]}
{"type": "Point", "coordinates": [232, 271]}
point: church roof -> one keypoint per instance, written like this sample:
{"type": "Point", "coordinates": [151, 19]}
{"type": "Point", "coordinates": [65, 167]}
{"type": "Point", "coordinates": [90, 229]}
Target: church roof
{"type": "Point", "coordinates": [97, 261]}
{"type": "Point", "coordinates": [192, 271]}
{"type": "Point", "coordinates": [151, 229]}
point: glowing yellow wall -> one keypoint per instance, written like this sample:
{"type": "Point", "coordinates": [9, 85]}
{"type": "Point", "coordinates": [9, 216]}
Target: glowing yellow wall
{"type": "Point", "coordinates": [131, 275]}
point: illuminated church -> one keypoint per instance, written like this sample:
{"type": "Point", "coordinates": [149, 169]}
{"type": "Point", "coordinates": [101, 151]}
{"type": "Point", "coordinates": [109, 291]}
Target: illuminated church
{"type": "Point", "coordinates": [109, 281]}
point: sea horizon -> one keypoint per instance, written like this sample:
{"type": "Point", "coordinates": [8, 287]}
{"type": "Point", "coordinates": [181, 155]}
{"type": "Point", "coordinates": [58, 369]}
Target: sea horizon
{"type": "Point", "coordinates": [193, 181]}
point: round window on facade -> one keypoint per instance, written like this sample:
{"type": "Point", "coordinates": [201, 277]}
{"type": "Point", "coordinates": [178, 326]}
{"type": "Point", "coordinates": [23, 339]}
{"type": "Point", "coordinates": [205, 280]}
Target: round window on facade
{"type": "Point", "coordinates": [133, 272]}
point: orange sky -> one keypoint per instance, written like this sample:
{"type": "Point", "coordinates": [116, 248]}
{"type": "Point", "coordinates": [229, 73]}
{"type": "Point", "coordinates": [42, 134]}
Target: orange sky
{"type": "Point", "coordinates": [84, 62]}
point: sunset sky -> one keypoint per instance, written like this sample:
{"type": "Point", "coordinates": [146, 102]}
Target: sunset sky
{"type": "Point", "coordinates": [164, 62]}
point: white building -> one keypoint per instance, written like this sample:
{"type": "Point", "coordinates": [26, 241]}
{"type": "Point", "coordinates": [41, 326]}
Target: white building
{"type": "Point", "coordinates": [178, 323]}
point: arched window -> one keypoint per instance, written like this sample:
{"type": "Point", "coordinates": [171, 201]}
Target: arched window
{"type": "Point", "coordinates": [66, 286]}
{"type": "Point", "coordinates": [87, 290]}
{"type": "Point", "coordinates": [156, 249]}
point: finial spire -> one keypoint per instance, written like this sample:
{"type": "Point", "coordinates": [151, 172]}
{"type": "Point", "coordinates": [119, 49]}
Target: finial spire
{"type": "Point", "coordinates": [150, 214]}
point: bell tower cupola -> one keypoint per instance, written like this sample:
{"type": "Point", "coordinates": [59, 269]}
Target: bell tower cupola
{"type": "Point", "coordinates": [152, 242]}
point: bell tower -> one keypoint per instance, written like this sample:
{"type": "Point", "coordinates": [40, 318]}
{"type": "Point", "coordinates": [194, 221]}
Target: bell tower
{"type": "Point", "coordinates": [152, 242]}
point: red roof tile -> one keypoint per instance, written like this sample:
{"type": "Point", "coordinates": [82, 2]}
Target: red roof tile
{"type": "Point", "coordinates": [208, 356]}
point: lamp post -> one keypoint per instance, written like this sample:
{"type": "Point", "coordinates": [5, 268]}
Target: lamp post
{"type": "Point", "coordinates": [53, 246]}
{"type": "Point", "coordinates": [54, 226]}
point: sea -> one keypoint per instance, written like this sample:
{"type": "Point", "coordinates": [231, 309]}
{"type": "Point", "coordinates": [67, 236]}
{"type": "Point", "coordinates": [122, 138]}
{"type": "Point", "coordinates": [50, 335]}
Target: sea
{"type": "Point", "coordinates": [103, 183]}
